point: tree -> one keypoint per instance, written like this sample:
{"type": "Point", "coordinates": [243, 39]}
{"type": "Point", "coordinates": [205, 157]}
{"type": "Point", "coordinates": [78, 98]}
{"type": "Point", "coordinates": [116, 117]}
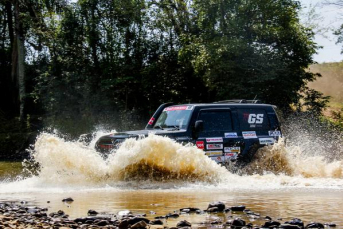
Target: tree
{"type": "Point", "coordinates": [252, 49]}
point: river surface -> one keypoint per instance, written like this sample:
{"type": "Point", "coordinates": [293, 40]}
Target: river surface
{"type": "Point", "coordinates": [156, 176]}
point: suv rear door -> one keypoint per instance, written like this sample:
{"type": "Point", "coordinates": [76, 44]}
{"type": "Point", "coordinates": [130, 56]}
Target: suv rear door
{"type": "Point", "coordinates": [216, 123]}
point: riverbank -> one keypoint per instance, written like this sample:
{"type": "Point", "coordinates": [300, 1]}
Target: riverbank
{"type": "Point", "coordinates": [217, 214]}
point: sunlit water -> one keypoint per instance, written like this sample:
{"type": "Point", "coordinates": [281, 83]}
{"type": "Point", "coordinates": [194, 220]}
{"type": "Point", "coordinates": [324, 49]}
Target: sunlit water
{"type": "Point", "coordinates": [157, 175]}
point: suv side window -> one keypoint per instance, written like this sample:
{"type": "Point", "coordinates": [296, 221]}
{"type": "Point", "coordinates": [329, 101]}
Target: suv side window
{"type": "Point", "coordinates": [253, 119]}
{"type": "Point", "coordinates": [215, 122]}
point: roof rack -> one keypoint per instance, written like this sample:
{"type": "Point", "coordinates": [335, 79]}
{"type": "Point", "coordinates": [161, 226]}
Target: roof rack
{"type": "Point", "coordinates": [239, 101]}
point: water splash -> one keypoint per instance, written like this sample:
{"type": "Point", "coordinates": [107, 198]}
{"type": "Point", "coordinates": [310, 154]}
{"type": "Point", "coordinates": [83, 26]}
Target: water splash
{"type": "Point", "coordinates": [156, 162]}
{"type": "Point", "coordinates": [152, 158]}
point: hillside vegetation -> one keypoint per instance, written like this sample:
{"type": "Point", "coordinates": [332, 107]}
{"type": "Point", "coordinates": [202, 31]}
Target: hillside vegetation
{"type": "Point", "coordinates": [330, 84]}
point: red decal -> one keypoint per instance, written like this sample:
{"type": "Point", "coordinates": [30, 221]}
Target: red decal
{"type": "Point", "coordinates": [178, 108]}
{"type": "Point", "coordinates": [151, 121]}
{"type": "Point", "coordinates": [200, 145]}
{"type": "Point", "coordinates": [245, 116]}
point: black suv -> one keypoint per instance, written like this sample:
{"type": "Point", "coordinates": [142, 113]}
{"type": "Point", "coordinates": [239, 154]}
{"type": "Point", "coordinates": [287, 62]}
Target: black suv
{"type": "Point", "coordinates": [226, 130]}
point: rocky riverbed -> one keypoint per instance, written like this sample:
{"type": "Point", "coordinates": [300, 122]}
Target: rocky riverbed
{"type": "Point", "coordinates": [217, 215]}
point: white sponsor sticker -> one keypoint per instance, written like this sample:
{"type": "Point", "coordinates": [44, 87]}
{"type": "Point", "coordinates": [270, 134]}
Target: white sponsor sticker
{"type": "Point", "coordinates": [231, 135]}
{"type": "Point", "coordinates": [232, 149]}
{"type": "Point", "coordinates": [274, 133]}
{"type": "Point", "coordinates": [218, 159]}
{"type": "Point", "coordinates": [214, 146]}
{"type": "Point", "coordinates": [214, 153]}
{"type": "Point", "coordinates": [230, 156]}
{"type": "Point", "coordinates": [249, 134]}
{"type": "Point", "coordinates": [266, 141]}
{"type": "Point", "coordinates": [214, 139]}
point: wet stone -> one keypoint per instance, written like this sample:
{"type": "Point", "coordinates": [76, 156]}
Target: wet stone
{"type": "Point", "coordinates": [289, 226]}
{"type": "Point", "coordinates": [156, 222]}
{"type": "Point", "coordinates": [213, 209]}
{"type": "Point", "coordinates": [219, 205]}
{"type": "Point", "coordinates": [92, 212]}
{"type": "Point", "coordinates": [268, 217]}
{"type": "Point", "coordinates": [271, 224]}
{"type": "Point", "coordinates": [69, 199]}
{"type": "Point", "coordinates": [239, 208]}
{"type": "Point", "coordinates": [141, 224]}
{"type": "Point", "coordinates": [296, 221]}
{"type": "Point", "coordinates": [183, 223]}
{"type": "Point", "coordinates": [236, 223]}
{"type": "Point", "coordinates": [172, 215]}
{"type": "Point", "coordinates": [314, 225]}
{"type": "Point", "coordinates": [102, 223]}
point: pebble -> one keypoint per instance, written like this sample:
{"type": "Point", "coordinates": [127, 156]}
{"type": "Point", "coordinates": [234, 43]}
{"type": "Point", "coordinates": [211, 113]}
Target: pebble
{"type": "Point", "coordinates": [16, 216]}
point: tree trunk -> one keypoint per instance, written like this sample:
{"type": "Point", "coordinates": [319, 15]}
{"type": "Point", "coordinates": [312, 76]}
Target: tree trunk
{"type": "Point", "coordinates": [20, 65]}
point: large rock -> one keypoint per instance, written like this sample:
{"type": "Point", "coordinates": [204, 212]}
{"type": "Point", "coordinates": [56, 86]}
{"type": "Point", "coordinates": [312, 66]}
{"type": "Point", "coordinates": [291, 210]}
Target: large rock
{"type": "Point", "coordinates": [219, 205]}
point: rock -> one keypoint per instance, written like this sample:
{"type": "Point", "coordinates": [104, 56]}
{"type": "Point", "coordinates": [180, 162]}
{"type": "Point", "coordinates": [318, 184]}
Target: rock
{"type": "Point", "coordinates": [138, 219]}
{"type": "Point", "coordinates": [80, 220]}
{"type": "Point", "coordinates": [92, 212]}
{"type": "Point", "coordinates": [332, 225]}
{"type": "Point", "coordinates": [183, 223]}
{"type": "Point", "coordinates": [156, 222]}
{"type": "Point", "coordinates": [172, 215]}
{"type": "Point", "coordinates": [102, 223]}
{"type": "Point", "coordinates": [289, 226]}
{"type": "Point", "coordinates": [236, 223]}
{"type": "Point", "coordinates": [271, 224]}
{"type": "Point", "coordinates": [239, 208]}
{"type": "Point", "coordinates": [185, 211]}
{"type": "Point", "coordinates": [296, 221]}
{"type": "Point", "coordinates": [140, 224]}
{"type": "Point", "coordinates": [219, 205]}
{"type": "Point", "coordinates": [60, 212]}
{"type": "Point", "coordinates": [268, 218]}
{"type": "Point", "coordinates": [189, 209]}
{"type": "Point", "coordinates": [314, 225]}
{"type": "Point", "coordinates": [213, 209]}
{"type": "Point", "coordinates": [124, 224]}
{"type": "Point", "coordinates": [69, 199]}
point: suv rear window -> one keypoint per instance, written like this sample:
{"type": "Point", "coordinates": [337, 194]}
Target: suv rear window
{"type": "Point", "coordinates": [253, 119]}
{"type": "Point", "coordinates": [216, 120]}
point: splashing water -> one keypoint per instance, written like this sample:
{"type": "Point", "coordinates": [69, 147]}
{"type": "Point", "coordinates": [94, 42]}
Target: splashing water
{"type": "Point", "coordinates": [152, 158]}
{"type": "Point", "coordinates": [160, 162]}
{"type": "Point", "coordinates": [291, 161]}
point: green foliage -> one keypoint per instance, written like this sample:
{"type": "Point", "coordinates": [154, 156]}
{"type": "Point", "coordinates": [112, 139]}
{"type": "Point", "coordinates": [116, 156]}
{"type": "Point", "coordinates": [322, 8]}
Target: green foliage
{"type": "Point", "coordinates": [95, 58]}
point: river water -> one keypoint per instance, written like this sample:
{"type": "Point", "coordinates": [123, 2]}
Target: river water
{"type": "Point", "coordinates": [156, 176]}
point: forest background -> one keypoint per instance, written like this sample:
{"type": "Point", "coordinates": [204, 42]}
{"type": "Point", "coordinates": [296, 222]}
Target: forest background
{"type": "Point", "coordinates": [79, 66]}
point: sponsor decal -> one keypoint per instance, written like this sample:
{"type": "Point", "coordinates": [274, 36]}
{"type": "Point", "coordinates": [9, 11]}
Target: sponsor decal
{"type": "Point", "coordinates": [178, 108]}
{"type": "Point", "coordinates": [230, 156]}
{"type": "Point", "coordinates": [232, 149]}
{"type": "Point", "coordinates": [249, 134]}
{"type": "Point", "coordinates": [214, 146]}
{"type": "Point", "coordinates": [218, 158]}
{"type": "Point", "coordinates": [214, 153]}
{"type": "Point", "coordinates": [255, 118]}
{"type": "Point", "coordinates": [231, 135]}
{"type": "Point", "coordinates": [266, 141]}
{"type": "Point", "coordinates": [151, 121]}
{"type": "Point", "coordinates": [200, 144]}
{"type": "Point", "coordinates": [274, 133]}
{"type": "Point", "coordinates": [219, 139]}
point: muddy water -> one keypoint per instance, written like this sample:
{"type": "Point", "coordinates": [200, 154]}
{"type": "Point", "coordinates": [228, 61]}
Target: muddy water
{"type": "Point", "coordinates": [156, 175]}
